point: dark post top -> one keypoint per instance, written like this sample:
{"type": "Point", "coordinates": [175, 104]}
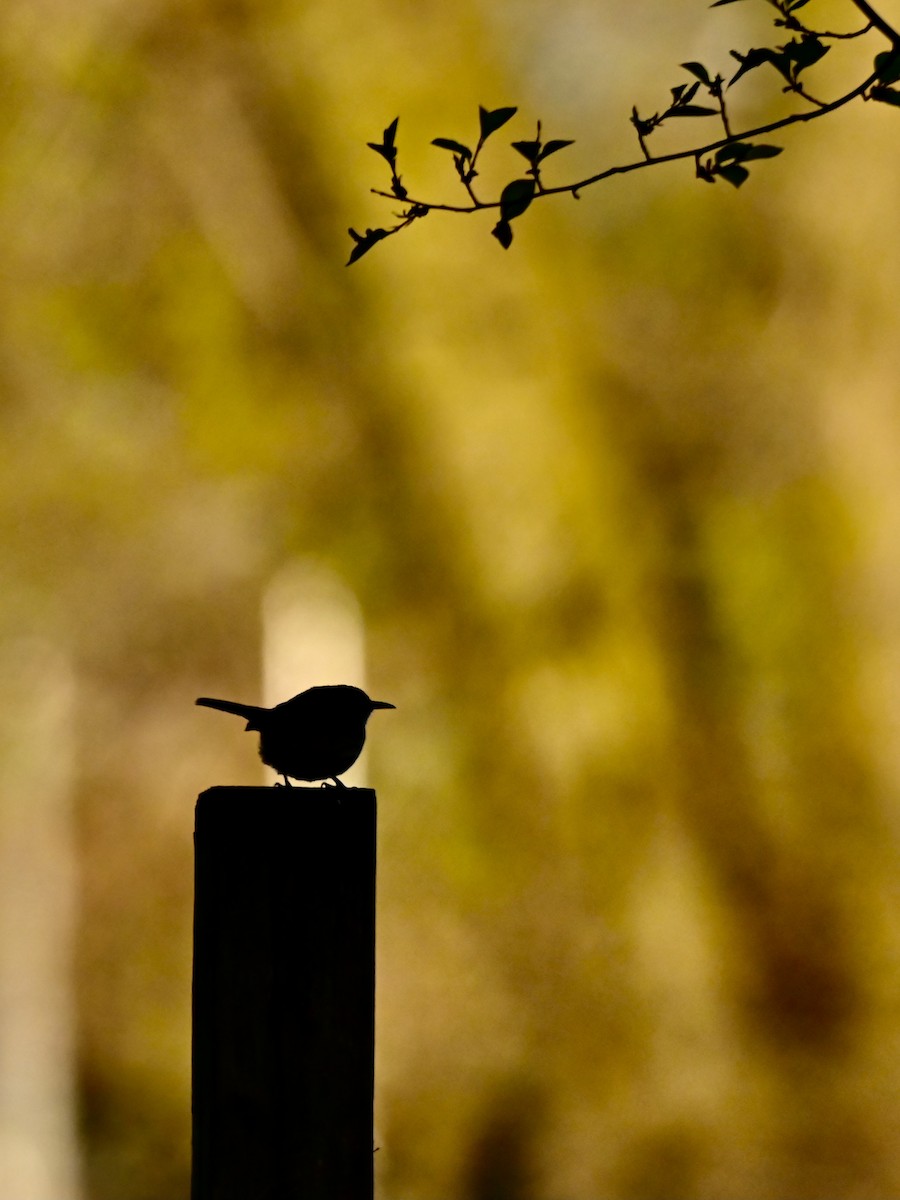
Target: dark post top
{"type": "Point", "coordinates": [284, 994]}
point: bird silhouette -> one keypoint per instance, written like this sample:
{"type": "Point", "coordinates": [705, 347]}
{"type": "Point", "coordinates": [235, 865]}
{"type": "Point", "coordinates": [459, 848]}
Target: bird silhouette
{"type": "Point", "coordinates": [318, 734]}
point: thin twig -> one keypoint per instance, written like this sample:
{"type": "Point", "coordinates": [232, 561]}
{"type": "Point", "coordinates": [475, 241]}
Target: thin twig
{"type": "Point", "coordinates": [877, 22]}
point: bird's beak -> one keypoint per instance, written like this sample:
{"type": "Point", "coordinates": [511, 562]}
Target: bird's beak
{"type": "Point", "coordinates": [381, 704]}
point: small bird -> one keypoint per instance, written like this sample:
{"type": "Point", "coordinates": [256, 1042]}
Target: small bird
{"type": "Point", "coordinates": [318, 734]}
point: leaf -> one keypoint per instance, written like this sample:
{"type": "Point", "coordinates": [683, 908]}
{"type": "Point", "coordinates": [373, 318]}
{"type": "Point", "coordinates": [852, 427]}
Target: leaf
{"type": "Point", "coordinates": [698, 71]}
{"type": "Point", "coordinates": [515, 198]}
{"type": "Point", "coordinates": [364, 242]}
{"type": "Point", "coordinates": [782, 64]}
{"type": "Point", "coordinates": [719, 3]}
{"type": "Point", "coordinates": [456, 147]}
{"type": "Point", "coordinates": [886, 95]}
{"type": "Point", "coordinates": [806, 52]}
{"type": "Point", "coordinates": [704, 172]}
{"type": "Point", "coordinates": [398, 189]}
{"type": "Point", "coordinates": [683, 93]}
{"type": "Point", "coordinates": [385, 151]}
{"type": "Point", "coordinates": [692, 110]}
{"type": "Point", "coordinates": [529, 150]}
{"type": "Point", "coordinates": [887, 66]}
{"type": "Point", "coordinates": [535, 152]}
{"type": "Point", "coordinates": [491, 119]}
{"type": "Point", "coordinates": [735, 174]}
{"type": "Point", "coordinates": [644, 125]}
{"type": "Point", "coordinates": [739, 152]}
{"type": "Point", "coordinates": [750, 61]}
{"type": "Point", "coordinates": [553, 145]}
{"type": "Point", "coordinates": [763, 151]}
{"type": "Point", "coordinates": [502, 231]}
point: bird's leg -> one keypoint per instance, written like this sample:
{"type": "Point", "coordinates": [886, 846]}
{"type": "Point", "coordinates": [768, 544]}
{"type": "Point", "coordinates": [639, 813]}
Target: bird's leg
{"type": "Point", "coordinates": [287, 782]}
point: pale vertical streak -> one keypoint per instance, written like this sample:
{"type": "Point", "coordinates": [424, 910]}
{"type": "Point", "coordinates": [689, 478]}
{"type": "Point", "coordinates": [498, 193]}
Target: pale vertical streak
{"type": "Point", "coordinates": [39, 1157]}
{"type": "Point", "coordinates": [312, 634]}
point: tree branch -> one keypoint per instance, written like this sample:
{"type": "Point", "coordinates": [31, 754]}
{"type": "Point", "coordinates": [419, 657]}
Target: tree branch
{"type": "Point", "coordinates": [878, 22]}
{"type": "Point", "coordinates": [657, 160]}
{"type": "Point", "coordinates": [731, 153]}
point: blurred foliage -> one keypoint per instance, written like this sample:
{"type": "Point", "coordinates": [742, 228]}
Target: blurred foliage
{"type": "Point", "coordinates": [622, 513]}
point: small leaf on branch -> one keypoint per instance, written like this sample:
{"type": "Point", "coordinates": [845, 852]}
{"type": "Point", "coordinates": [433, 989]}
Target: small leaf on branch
{"type": "Point", "coordinates": [719, 3]}
{"type": "Point", "coordinates": [456, 147]}
{"type": "Point", "coordinates": [364, 242]}
{"type": "Point", "coordinates": [750, 61]}
{"type": "Point", "coordinates": [699, 71]}
{"type": "Point", "coordinates": [491, 119]}
{"type": "Point", "coordinates": [886, 95]}
{"type": "Point", "coordinates": [644, 125]}
{"type": "Point", "coordinates": [887, 66]}
{"type": "Point", "coordinates": [386, 148]}
{"type": "Point", "coordinates": [805, 53]}
{"type": "Point", "coordinates": [388, 153]}
{"type": "Point", "coordinates": [529, 150]}
{"type": "Point", "coordinates": [692, 110]}
{"type": "Point", "coordinates": [782, 64]}
{"type": "Point", "coordinates": [735, 174]}
{"type": "Point", "coordinates": [745, 152]}
{"type": "Point", "coordinates": [553, 145]}
{"type": "Point", "coordinates": [515, 198]}
{"type": "Point", "coordinates": [705, 171]}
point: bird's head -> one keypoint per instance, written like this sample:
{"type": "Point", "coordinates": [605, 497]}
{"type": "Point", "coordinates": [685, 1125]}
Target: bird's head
{"type": "Point", "coordinates": [350, 701]}
{"type": "Point", "coordinates": [373, 704]}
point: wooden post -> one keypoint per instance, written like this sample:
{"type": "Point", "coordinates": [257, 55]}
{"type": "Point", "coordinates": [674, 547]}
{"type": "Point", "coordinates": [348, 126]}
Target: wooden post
{"type": "Point", "coordinates": [284, 994]}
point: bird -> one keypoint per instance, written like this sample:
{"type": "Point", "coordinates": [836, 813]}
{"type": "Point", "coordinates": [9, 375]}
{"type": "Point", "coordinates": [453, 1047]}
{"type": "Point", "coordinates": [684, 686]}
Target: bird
{"type": "Point", "coordinates": [316, 735]}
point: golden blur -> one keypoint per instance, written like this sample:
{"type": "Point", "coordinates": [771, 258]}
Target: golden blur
{"type": "Point", "coordinates": [620, 507]}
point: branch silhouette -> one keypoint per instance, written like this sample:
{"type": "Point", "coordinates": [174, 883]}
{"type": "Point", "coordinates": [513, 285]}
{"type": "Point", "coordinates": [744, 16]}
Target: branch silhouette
{"type": "Point", "coordinates": [725, 156]}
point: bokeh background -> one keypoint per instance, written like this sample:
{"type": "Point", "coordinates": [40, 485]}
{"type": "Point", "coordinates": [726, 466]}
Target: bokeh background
{"type": "Point", "coordinates": [619, 511]}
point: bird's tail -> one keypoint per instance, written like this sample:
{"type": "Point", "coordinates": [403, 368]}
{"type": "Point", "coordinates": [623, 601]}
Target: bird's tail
{"type": "Point", "coordinates": [250, 712]}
